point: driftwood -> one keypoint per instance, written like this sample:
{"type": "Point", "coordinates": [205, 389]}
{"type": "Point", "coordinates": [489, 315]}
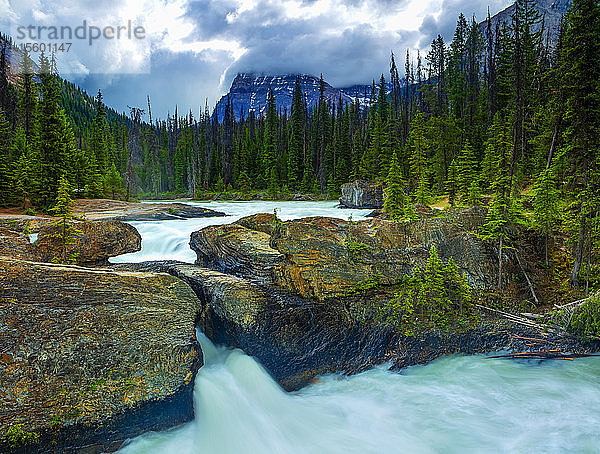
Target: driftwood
{"type": "Point", "coordinates": [513, 318]}
{"type": "Point", "coordinates": [545, 354]}
{"type": "Point", "coordinates": [535, 298]}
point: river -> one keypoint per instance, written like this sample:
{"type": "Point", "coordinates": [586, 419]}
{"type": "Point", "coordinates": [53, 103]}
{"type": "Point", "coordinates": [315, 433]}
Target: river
{"type": "Point", "coordinates": [457, 404]}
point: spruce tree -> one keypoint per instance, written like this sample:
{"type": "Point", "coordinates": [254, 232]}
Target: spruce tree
{"type": "Point", "coordinates": [28, 98]}
{"type": "Point", "coordinates": [270, 143]}
{"type": "Point", "coordinates": [581, 75]}
{"type": "Point", "coordinates": [419, 169]}
{"type": "Point", "coordinates": [66, 231]}
{"type": "Point", "coordinates": [55, 147]}
{"type": "Point", "coordinates": [296, 146]}
{"type": "Point", "coordinates": [113, 181]}
{"type": "Point", "coordinates": [466, 169]}
{"type": "Point", "coordinates": [500, 213]}
{"type": "Point", "coordinates": [6, 177]}
{"type": "Point", "coordinates": [546, 212]}
{"type": "Point", "coordinates": [395, 198]}
{"type": "Point", "coordinates": [452, 183]}
{"type": "Point", "coordinates": [98, 146]}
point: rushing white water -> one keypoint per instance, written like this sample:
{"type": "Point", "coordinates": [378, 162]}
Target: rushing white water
{"type": "Point", "coordinates": [169, 240]}
{"type": "Point", "coordinates": [454, 405]}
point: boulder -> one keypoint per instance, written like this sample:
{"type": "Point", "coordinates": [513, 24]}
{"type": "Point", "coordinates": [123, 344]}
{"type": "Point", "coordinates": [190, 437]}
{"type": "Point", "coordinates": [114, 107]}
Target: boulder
{"type": "Point", "coordinates": [235, 249]}
{"type": "Point", "coordinates": [24, 224]}
{"type": "Point", "coordinates": [261, 222]}
{"type": "Point", "coordinates": [93, 244]}
{"type": "Point", "coordinates": [297, 339]}
{"type": "Point", "coordinates": [362, 194]}
{"type": "Point", "coordinates": [326, 258]}
{"type": "Point", "coordinates": [89, 358]}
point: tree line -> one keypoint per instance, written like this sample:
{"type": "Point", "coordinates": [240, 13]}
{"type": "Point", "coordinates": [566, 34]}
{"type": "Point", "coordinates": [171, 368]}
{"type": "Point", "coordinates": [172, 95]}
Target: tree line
{"type": "Point", "coordinates": [507, 111]}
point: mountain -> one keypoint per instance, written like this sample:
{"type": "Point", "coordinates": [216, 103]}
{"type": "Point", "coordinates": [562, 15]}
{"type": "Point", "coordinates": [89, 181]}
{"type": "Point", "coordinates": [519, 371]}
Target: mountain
{"type": "Point", "coordinates": [249, 92]}
{"type": "Point", "coordinates": [551, 10]}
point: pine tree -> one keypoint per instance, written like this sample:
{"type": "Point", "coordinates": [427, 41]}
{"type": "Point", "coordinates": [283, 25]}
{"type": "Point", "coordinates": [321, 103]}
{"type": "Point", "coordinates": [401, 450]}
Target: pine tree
{"type": "Point", "coordinates": [113, 181]}
{"type": "Point", "coordinates": [296, 146]}
{"type": "Point", "coordinates": [66, 232]}
{"type": "Point", "coordinates": [270, 143]}
{"type": "Point", "coordinates": [452, 183]}
{"type": "Point", "coordinates": [6, 176]}
{"type": "Point", "coordinates": [581, 76]}
{"type": "Point", "coordinates": [474, 195]}
{"type": "Point", "coordinates": [55, 148]}
{"type": "Point", "coordinates": [28, 97]}
{"type": "Point", "coordinates": [22, 173]}
{"type": "Point", "coordinates": [395, 198]}
{"type": "Point", "coordinates": [98, 146]}
{"type": "Point", "coordinates": [546, 212]}
{"type": "Point", "coordinates": [433, 280]}
{"type": "Point", "coordinates": [466, 169]}
{"type": "Point", "coordinates": [500, 213]}
{"type": "Point", "coordinates": [419, 169]}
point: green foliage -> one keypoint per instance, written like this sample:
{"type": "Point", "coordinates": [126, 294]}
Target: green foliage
{"type": "Point", "coordinates": [586, 318]}
{"type": "Point", "coordinates": [465, 170]}
{"type": "Point", "coordinates": [355, 248]}
{"type": "Point", "coordinates": [373, 283]}
{"type": "Point", "coordinates": [396, 201]}
{"type": "Point", "coordinates": [17, 437]}
{"type": "Point", "coordinates": [437, 296]}
{"type": "Point", "coordinates": [66, 233]}
{"type": "Point", "coordinates": [546, 211]}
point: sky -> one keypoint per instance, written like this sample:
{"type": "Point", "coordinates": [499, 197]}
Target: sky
{"type": "Point", "coordinates": [192, 49]}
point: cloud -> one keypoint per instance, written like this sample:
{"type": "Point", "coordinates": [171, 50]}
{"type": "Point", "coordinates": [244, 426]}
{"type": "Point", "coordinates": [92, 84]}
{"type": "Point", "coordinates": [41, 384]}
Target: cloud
{"type": "Point", "coordinates": [195, 47]}
{"type": "Point", "coordinates": [444, 23]}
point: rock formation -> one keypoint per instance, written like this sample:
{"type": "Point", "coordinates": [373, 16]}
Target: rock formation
{"type": "Point", "coordinates": [362, 194]}
{"type": "Point", "coordinates": [93, 243]}
{"type": "Point", "coordinates": [92, 357]}
{"type": "Point", "coordinates": [326, 257]}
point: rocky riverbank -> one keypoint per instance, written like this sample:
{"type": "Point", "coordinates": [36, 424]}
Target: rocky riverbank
{"type": "Point", "coordinates": [92, 357]}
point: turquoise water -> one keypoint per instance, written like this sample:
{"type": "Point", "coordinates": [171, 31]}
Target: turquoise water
{"type": "Point", "coordinates": [456, 405]}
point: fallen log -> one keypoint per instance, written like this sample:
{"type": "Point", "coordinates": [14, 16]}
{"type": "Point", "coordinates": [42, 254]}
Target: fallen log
{"type": "Point", "coordinates": [545, 354]}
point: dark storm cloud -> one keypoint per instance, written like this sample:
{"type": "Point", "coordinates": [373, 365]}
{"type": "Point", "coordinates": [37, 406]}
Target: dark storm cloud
{"type": "Point", "coordinates": [177, 79]}
{"type": "Point", "coordinates": [347, 50]}
{"type": "Point", "coordinates": [446, 22]}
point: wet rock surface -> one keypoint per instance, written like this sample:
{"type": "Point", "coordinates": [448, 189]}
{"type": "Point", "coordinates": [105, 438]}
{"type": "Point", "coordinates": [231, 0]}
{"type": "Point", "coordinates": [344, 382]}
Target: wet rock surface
{"type": "Point", "coordinates": [305, 318]}
{"type": "Point", "coordinates": [104, 209]}
{"type": "Point", "coordinates": [237, 250]}
{"type": "Point", "coordinates": [17, 245]}
{"type": "Point", "coordinates": [92, 357]}
{"type": "Point", "coordinates": [93, 243]}
{"type": "Point", "coordinates": [362, 194]}
{"type": "Point", "coordinates": [296, 338]}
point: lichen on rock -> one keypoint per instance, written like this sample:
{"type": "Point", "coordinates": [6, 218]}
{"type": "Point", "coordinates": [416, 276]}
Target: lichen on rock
{"type": "Point", "coordinates": [102, 349]}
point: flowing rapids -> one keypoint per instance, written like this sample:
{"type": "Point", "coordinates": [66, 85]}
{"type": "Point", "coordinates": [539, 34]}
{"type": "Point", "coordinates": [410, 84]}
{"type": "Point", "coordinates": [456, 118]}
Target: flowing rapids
{"type": "Point", "coordinates": [453, 405]}
{"type": "Point", "coordinates": [456, 404]}
{"type": "Point", "coordinates": [169, 240]}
